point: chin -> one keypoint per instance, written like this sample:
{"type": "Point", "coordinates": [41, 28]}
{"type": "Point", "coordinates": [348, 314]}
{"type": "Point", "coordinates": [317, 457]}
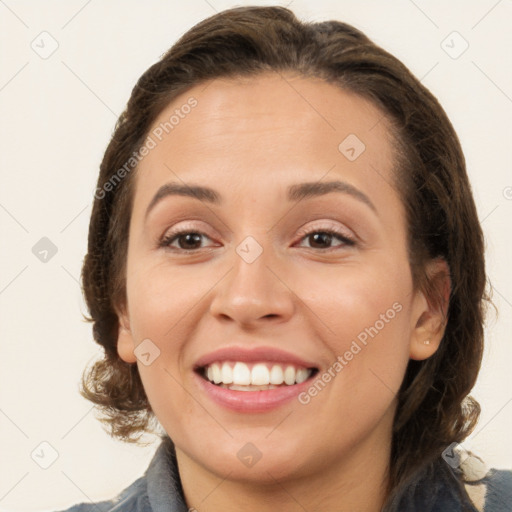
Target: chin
{"type": "Point", "coordinates": [261, 461]}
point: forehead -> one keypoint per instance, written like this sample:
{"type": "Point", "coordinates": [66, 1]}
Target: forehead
{"type": "Point", "coordinates": [266, 128]}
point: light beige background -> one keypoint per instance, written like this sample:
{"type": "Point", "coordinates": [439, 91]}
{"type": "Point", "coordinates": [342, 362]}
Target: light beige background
{"type": "Point", "coordinates": [57, 114]}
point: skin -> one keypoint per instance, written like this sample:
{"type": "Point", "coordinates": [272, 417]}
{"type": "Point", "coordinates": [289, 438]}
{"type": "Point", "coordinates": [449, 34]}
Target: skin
{"type": "Point", "coordinates": [250, 140]}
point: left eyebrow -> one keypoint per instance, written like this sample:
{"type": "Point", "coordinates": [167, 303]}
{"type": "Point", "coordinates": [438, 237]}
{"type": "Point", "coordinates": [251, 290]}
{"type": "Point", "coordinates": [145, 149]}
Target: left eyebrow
{"type": "Point", "coordinates": [295, 192]}
{"type": "Point", "coordinates": [314, 189]}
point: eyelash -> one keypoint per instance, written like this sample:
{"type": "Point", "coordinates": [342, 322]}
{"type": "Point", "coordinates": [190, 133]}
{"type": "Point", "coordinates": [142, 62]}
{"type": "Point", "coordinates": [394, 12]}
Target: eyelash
{"type": "Point", "coordinates": [174, 235]}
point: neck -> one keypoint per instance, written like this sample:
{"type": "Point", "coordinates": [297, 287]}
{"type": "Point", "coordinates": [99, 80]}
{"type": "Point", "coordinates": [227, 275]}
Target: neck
{"type": "Point", "coordinates": [357, 481]}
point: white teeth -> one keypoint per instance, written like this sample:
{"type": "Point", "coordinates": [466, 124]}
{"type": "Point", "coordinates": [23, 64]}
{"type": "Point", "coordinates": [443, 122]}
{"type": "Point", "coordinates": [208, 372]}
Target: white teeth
{"type": "Point", "coordinates": [227, 374]}
{"type": "Point", "coordinates": [217, 377]}
{"type": "Point", "coordinates": [240, 376]}
{"type": "Point", "coordinates": [260, 376]}
{"type": "Point", "coordinates": [276, 375]}
{"type": "Point", "coordinates": [289, 375]}
{"type": "Point", "coordinates": [301, 375]}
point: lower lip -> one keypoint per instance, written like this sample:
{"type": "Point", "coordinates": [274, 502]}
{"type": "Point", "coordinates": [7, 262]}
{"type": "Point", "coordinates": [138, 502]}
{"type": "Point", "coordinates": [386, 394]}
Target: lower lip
{"type": "Point", "coordinates": [251, 401]}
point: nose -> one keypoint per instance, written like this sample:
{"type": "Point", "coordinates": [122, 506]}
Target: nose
{"type": "Point", "coordinates": [253, 293]}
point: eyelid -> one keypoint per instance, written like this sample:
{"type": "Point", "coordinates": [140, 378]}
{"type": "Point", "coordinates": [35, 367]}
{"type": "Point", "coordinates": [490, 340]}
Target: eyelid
{"type": "Point", "coordinates": [181, 228]}
{"type": "Point", "coordinates": [187, 226]}
{"type": "Point", "coordinates": [326, 226]}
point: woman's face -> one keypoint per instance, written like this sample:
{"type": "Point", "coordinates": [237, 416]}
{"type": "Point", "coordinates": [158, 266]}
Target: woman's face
{"type": "Point", "coordinates": [293, 265]}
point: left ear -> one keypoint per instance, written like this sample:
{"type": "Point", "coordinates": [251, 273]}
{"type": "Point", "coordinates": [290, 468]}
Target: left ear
{"type": "Point", "coordinates": [125, 343]}
{"type": "Point", "coordinates": [430, 310]}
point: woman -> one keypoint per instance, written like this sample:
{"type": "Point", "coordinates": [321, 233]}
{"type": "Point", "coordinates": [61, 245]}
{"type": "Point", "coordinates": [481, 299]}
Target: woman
{"type": "Point", "coordinates": [286, 270]}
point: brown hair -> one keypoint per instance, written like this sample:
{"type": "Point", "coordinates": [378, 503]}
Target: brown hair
{"type": "Point", "coordinates": [434, 409]}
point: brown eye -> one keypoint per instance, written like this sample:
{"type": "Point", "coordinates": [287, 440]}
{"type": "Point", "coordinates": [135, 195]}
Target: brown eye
{"type": "Point", "coordinates": [320, 240]}
{"type": "Point", "coordinates": [184, 240]}
{"type": "Point", "coordinates": [325, 238]}
{"type": "Point", "coordinates": [189, 240]}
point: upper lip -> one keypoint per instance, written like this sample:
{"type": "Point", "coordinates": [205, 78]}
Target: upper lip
{"type": "Point", "coordinates": [253, 355]}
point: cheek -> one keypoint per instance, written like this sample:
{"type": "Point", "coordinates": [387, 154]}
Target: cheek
{"type": "Point", "coordinates": [160, 299]}
{"type": "Point", "coordinates": [164, 305]}
{"type": "Point", "coordinates": [369, 350]}
{"type": "Point", "coordinates": [364, 324]}
{"type": "Point", "coordinates": [357, 302]}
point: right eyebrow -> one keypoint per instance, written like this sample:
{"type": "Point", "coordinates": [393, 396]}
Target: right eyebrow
{"type": "Point", "coordinates": [175, 189]}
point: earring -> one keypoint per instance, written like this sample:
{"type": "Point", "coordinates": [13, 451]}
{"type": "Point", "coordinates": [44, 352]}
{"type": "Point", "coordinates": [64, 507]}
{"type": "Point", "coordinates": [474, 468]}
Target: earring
{"type": "Point", "coordinates": [427, 342]}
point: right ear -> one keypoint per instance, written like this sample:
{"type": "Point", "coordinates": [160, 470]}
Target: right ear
{"type": "Point", "coordinates": [125, 343]}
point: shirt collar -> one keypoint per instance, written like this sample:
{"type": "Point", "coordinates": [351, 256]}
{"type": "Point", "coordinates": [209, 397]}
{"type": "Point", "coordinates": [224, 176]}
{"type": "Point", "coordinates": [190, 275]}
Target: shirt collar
{"type": "Point", "coordinates": [164, 489]}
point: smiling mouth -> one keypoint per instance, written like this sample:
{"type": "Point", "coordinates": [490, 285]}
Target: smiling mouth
{"type": "Point", "coordinates": [260, 376]}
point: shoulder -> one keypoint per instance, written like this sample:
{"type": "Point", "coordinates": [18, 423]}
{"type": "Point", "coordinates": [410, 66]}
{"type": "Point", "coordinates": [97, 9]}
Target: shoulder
{"type": "Point", "coordinates": [463, 484]}
{"type": "Point", "coordinates": [133, 499]}
{"type": "Point", "coordinates": [490, 490]}
{"type": "Point", "coordinates": [499, 491]}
